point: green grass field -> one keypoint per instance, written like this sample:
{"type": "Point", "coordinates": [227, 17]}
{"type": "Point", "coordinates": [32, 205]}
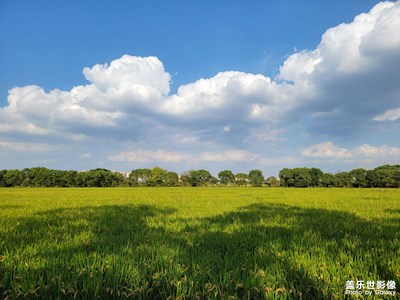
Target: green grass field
{"type": "Point", "coordinates": [196, 242]}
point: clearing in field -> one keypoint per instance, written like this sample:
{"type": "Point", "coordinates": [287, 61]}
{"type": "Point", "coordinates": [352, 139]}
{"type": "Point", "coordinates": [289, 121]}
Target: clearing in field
{"type": "Point", "coordinates": [197, 242]}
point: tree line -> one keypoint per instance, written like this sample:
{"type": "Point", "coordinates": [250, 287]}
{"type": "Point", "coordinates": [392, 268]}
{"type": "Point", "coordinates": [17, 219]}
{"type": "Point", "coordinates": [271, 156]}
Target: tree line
{"type": "Point", "coordinates": [387, 176]}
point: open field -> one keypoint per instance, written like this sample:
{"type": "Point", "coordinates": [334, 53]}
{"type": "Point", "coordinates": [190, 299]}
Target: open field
{"type": "Point", "coordinates": [196, 242]}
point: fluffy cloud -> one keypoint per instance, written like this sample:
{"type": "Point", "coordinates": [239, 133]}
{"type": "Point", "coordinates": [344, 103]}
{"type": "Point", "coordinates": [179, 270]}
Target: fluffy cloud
{"type": "Point", "coordinates": [371, 151]}
{"type": "Point", "coordinates": [351, 75]}
{"type": "Point", "coordinates": [230, 97]}
{"type": "Point", "coordinates": [7, 146]}
{"type": "Point", "coordinates": [326, 150]}
{"type": "Point", "coordinates": [129, 83]}
{"type": "Point", "coordinates": [329, 150]}
{"type": "Point", "coordinates": [349, 48]}
{"type": "Point", "coordinates": [229, 156]}
{"type": "Point", "coordinates": [86, 155]}
{"type": "Point", "coordinates": [389, 115]}
{"type": "Point", "coordinates": [144, 156]}
{"type": "Point", "coordinates": [341, 80]}
{"type": "Point", "coordinates": [127, 88]}
{"type": "Point", "coordinates": [139, 74]}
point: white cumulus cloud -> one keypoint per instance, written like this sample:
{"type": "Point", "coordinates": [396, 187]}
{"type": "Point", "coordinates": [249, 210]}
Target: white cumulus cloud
{"type": "Point", "coordinates": [351, 75]}
{"type": "Point", "coordinates": [371, 151]}
{"type": "Point", "coordinates": [143, 156]}
{"type": "Point", "coordinates": [7, 146]}
{"type": "Point", "coordinates": [238, 96]}
{"type": "Point", "coordinates": [329, 150]}
{"type": "Point", "coordinates": [389, 115]}
{"type": "Point", "coordinates": [326, 150]}
{"type": "Point", "coordinates": [233, 155]}
{"type": "Point", "coordinates": [127, 87]}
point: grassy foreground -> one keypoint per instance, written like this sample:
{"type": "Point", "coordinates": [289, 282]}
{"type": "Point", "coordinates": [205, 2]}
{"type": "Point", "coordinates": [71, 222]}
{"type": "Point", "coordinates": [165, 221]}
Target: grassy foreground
{"type": "Point", "coordinates": [196, 242]}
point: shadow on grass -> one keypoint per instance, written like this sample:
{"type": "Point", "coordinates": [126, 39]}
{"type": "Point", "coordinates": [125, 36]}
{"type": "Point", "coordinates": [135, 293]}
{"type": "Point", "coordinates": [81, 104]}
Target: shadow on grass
{"type": "Point", "coordinates": [257, 251]}
{"type": "Point", "coordinates": [311, 251]}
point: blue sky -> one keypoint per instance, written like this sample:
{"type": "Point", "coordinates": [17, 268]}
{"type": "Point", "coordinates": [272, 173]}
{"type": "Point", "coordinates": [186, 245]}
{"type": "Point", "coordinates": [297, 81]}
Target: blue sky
{"type": "Point", "coordinates": [199, 84]}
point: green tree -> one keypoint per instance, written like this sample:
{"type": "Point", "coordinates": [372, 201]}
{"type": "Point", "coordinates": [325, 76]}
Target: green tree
{"type": "Point", "coordinates": [316, 176]}
{"type": "Point", "coordinates": [397, 177]}
{"type": "Point", "coordinates": [213, 181]}
{"type": "Point", "coordinates": [157, 177]}
{"type": "Point", "coordinates": [343, 179]}
{"type": "Point", "coordinates": [117, 179]}
{"type": "Point", "coordinates": [203, 177]}
{"type": "Point", "coordinates": [139, 177]}
{"type": "Point", "coordinates": [70, 178]}
{"type": "Point", "coordinates": [197, 178]}
{"type": "Point", "coordinates": [373, 178]}
{"type": "Point", "coordinates": [133, 178]}
{"type": "Point", "coordinates": [80, 179]}
{"type": "Point", "coordinates": [185, 178]}
{"type": "Point", "coordinates": [226, 177]}
{"type": "Point", "coordinates": [328, 180]}
{"type": "Point", "coordinates": [256, 178]}
{"type": "Point", "coordinates": [359, 177]}
{"type": "Point", "coordinates": [35, 177]}
{"type": "Point", "coordinates": [272, 182]}
{"type": "Point", "coordinates": [171, 179]}
{"type": "Point", "coordinates": [301, 177]}
{"type": "Point", "coordinates": [383, 176]}
{"type": "Point", "coordinates": [2, 178]}
{"type": "Point", "coordinates": [286, 177]}
{"type": "Point", "coordinates": [100, 178]}
{"type": "Point", "coordinates": [96, 178]}
{"type": "Point", "coordinates": [13, 178]}
{"type": "Point", "coordinates": [241, 179]}
{"type": "Point", "coordinates": [55, 178]}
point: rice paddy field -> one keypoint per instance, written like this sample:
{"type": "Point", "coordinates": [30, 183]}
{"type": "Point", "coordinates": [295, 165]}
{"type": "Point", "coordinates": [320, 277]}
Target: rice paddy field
{"type": "Point", "coordinates": [197, 243]}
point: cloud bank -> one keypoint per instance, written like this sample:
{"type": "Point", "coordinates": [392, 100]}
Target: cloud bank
{"type": "Point", "coordinates": [329, 150]}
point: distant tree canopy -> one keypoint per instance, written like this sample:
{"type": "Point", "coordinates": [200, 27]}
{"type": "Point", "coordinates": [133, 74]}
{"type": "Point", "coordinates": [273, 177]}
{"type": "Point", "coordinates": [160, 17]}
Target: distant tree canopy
{"type": "Point", "coordinates": [139, 177]}
{"type": "Point", "coordinates": [226, 177]}
{"type": "Point", "coordinates": [241, 179]}
{"type": "Point", "coordinates": [256, 178]}
{"type": "Point", "coordinates": [42, 177]}
{"type": "Point", "coordinates": [198, 178]}
{"type": "Point", "coordinates": [272, 182]}
{"type": "Point", "coordinates": [387, 176]}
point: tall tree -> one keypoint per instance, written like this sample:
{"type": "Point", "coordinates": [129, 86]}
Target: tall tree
{"type": "Point", "coordinates": [256, 178]}
{"type": "Point", "coordinates": [2, 179]}
{"type": "Point", "coordinates": [70, 178]}
{"type": "Point", "coordinates": [13, 178]}
{"type": "Point", "coordinates": [203, 177]}
{"type": "Point", "coordinates": [171, 179]}
{"type": "Point", "coordinates": [196, 178]}
{"type": "Point", "coordinates": [328, 180]}
{"type": "Point", "coordinates": [139, 177]}
{"type": "Point", "coordinates": [272, 182]}
{"type": "Point", "coordinates": [316, 176]}
{"type": "Point", "coordinates": [226, 177]}
{"type": "Point", "coordinates": [157, 177]}
{"type": "Point", "coordinates": [241, 179]}
{"type": "Point", "coordinates": [383, 176]}
{"type": "Point", "coordinates": [343, 179]}
{"type": "Point", "coordinates": [359, 177]}
{"type": "Point", "coordinates": [286, 177]}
